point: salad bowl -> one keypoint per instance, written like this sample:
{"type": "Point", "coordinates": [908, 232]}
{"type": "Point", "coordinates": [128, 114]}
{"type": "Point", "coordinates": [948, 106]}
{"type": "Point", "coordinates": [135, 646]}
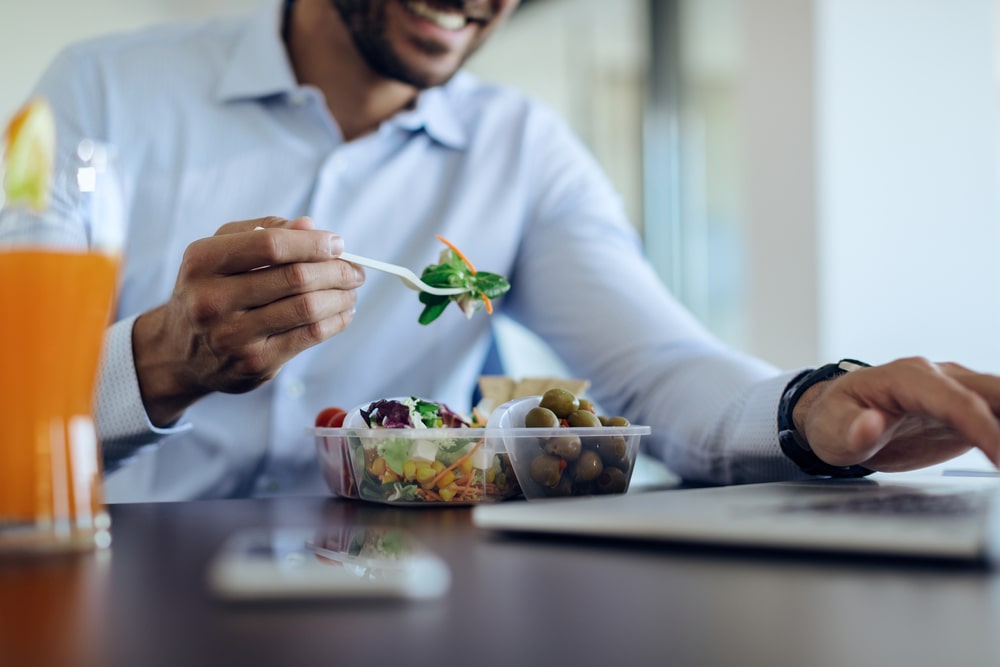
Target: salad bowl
{"type": "Point", "coordinates": [409, 451]}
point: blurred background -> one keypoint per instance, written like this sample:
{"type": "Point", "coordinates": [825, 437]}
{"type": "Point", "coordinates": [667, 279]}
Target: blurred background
{"type": "Point", "coordinates": [813, 178]}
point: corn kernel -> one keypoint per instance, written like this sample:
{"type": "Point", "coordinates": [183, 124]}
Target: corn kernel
{"type": "Point", "coordinates": [448, 492]}
{"type": "Point", "coordinates": [378, 467]}
{"type": "Point", "coordinates": [410, 470]}
{"type": "Point", "coordinates": [466, 465]}
{"type": "Point", "coordinates": [424, 473]}
{"type": "Point", "coordinates": [446, 479]}
{"type": "Point", "coordinates": [438, 466]}
{"type": "Point", "coordinates": [389, 476]}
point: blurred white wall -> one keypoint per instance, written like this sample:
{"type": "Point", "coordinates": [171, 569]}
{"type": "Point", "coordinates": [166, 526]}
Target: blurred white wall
{"type": "Point", "coordinates": [909, 223]}
{"type": "Point", "coordinates": [33, 31]}
{"type": "Point", "coordinates": [862, 167]}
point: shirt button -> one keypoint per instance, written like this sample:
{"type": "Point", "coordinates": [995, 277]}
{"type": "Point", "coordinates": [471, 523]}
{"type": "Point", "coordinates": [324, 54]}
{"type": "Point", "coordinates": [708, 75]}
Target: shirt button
{"type": "Point", "coordinates": [296, 389]}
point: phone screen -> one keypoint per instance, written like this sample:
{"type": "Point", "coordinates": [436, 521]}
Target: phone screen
{"type": "Point", "coordinates": [339, 562]}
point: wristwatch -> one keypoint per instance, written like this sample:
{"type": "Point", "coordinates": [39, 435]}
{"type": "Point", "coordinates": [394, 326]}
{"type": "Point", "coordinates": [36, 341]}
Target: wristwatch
{"type": "Point", "coordinates": [793, 444]}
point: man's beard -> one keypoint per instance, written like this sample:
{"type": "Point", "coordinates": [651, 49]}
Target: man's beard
{"type": "Point", "coordinates": [366, 22]}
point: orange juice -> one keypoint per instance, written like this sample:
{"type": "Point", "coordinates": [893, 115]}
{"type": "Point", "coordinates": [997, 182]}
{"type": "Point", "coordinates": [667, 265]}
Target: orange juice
{"type": "Point", "coordinates": [56, 307]}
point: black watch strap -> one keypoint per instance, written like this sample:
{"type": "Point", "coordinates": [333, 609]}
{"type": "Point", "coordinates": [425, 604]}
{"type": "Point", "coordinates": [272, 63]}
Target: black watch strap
{"type": "Point", "coordinates": [792, 443]}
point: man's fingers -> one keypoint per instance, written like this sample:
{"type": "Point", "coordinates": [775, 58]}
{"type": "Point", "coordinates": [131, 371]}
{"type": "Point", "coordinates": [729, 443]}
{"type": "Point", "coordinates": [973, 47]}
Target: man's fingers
{"type": "Point", "coordinates": [234, 253]}
{"type": "Point", "coordinates": [858, 416]}
{"type": "Point", "coordinates": [269, 222]}
{"type": "Point", "coordinates": [300, 310]}
{"type": "Point", "coordinates": [918, 388]}
{"type": "Point", "coordinates": [269, 284]}
{"type": "Point", "coordinates": [865, 431]}
{"type": "Point", "coordinates": [985, 386]}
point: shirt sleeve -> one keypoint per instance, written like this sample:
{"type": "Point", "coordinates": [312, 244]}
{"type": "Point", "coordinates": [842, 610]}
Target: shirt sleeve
{"type": "Point", "coordinates": [122, 423]}
{"type": "Point", "coordinates": [588, 291]}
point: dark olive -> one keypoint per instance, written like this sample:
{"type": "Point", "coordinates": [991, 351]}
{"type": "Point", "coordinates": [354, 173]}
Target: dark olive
{"type": "Point", "coordinates": [611, 448]}
{"type": "Point", "coordinates": [583, 418]}
{"type": "Point", "coordinates": [586, 468]}
{"type": "Point", "coordinates": [563, 488]}
{"type": "Point", "coordinates": [541, 418]}
{"type": "Point", "coordinates": [559, 401]}
{"type": "Point", "coordinates": [612, 480]}
{"type": "Point", "coordinates": [564, 446]}
{"type": "Point", "coordinates": [616, 421]}
{"type": "Point", "coordinates": [546, 470]}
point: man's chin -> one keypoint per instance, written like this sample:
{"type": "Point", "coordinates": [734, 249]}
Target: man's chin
{"type": "Point", "coordinates": [431, 80]}
{"type": "Point", "coordinates": [427, 76]}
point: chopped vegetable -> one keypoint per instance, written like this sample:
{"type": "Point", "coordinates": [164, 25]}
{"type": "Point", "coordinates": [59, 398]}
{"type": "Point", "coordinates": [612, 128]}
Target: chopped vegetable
{"type": "Point", "coordinates": [433, 469]}
{"type": "Point", "coordinates": [455, 270]}
{"type": "Point", "coordinates": [332, 417]}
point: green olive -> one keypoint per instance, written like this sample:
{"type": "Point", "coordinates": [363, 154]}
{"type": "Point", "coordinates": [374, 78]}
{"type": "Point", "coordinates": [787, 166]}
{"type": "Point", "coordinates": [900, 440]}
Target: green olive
{"type": "Point", "coordinates": [564, 446]}
{"type": "Point", "coordinates": [583, 418]}
{"type": "Point", "coordinates": [547, 470]}
{"type": "Point", "coordinates": [612, 480]}
{"type": "Point", "coordinates": [586, 468]}
{"type": "Point", "coordinates": [612, 448]}
{"type": "Point", "coordinates": [586, 405]}
{"type": "Point", "coordinates": [559, 401]}
{"type": "Point", "coordinates": [541, 418]}
{"type": "Point", "coordinates": [616, 421]}
{"type": "Point", "coordinates": [603, 419]}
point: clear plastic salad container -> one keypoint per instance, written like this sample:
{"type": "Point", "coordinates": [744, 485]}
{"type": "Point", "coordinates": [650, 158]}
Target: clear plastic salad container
{"type": "Point", "coordinates": [380, 456]}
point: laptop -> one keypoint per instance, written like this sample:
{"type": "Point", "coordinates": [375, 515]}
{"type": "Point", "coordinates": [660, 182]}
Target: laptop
{"type": "Point", "coordinates": [954, 517]}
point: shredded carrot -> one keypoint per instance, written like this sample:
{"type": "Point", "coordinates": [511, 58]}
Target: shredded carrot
{"type": "Point", "coordinates": [434, 480]}
{"type": "Point", "coordinates": [465, 483]}
{"type": "Point", "coordinates": [486, 300]}
{"type": "Point", "coordinates": [427, 494]}
{"type": "Point", "coordinates": [458, 252]}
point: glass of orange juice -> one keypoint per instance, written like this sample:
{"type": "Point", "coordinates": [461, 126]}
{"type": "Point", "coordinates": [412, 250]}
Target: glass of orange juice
{"type": "Point", "coordinates": [58, 279]}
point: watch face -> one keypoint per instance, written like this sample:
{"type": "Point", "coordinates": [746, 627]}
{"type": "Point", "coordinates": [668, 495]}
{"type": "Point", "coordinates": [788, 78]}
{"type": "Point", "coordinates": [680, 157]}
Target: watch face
{"type": "Point", "coordinates": [848, 365]}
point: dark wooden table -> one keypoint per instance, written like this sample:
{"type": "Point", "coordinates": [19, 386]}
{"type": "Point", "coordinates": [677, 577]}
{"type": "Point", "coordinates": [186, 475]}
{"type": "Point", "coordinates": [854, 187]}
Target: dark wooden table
{"type": "Point", "coordinates": [513, 601]}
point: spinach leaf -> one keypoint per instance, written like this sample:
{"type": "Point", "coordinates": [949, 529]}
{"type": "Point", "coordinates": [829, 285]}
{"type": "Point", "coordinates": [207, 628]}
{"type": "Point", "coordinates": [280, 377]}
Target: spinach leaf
{"type": "Point", "coordinates": [451, 271]}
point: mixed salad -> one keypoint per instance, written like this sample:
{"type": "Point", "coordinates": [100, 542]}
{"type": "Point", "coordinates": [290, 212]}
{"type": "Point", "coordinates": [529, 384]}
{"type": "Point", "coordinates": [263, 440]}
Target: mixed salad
{"type": "Point", "coordinates": [438, 468]}
{"type": "Point", "coordinates": [455, 270]}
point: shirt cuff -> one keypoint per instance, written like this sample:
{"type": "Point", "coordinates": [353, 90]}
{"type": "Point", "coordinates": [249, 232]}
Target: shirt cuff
{"type": "Point", "coordinates": [122, 423]}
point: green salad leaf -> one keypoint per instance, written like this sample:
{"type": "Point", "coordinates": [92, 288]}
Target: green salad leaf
{"type": "Point", "coordinates": [395, 451]}
{"type": "Point", "coordinates": [453, 271]}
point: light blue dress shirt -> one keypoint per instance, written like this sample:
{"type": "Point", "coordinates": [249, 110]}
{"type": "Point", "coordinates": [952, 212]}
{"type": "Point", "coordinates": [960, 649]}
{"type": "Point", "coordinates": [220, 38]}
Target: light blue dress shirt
{"type": "Point", "coordinates": [212, 127]}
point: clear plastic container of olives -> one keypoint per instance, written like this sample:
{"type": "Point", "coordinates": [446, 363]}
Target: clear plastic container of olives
{"type": "Point", "coordinates": [559, 447]}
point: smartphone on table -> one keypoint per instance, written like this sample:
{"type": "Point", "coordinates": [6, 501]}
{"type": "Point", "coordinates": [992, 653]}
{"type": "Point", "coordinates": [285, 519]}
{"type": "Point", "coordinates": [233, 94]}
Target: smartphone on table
{"type": "Point", "coordinates": [329, 563]}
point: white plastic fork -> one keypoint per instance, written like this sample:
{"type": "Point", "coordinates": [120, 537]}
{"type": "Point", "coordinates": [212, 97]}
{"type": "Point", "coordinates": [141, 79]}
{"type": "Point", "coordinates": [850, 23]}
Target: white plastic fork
{"type": "Point", "coordinates": [409, 278]}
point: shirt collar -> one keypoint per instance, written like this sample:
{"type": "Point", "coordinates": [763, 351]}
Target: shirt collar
{"type": "Point", "coordinates": [435, 112]}
{"type": "Point", "coordinates": [258, 65]}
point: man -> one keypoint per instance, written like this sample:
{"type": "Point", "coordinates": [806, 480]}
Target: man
{"type": "Point", "coordinates": [350, 123]}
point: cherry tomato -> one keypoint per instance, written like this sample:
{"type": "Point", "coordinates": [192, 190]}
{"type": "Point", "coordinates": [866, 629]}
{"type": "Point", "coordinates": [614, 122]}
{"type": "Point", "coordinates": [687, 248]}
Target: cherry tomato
{"type": "Point", "coordinates": [332, 417]}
